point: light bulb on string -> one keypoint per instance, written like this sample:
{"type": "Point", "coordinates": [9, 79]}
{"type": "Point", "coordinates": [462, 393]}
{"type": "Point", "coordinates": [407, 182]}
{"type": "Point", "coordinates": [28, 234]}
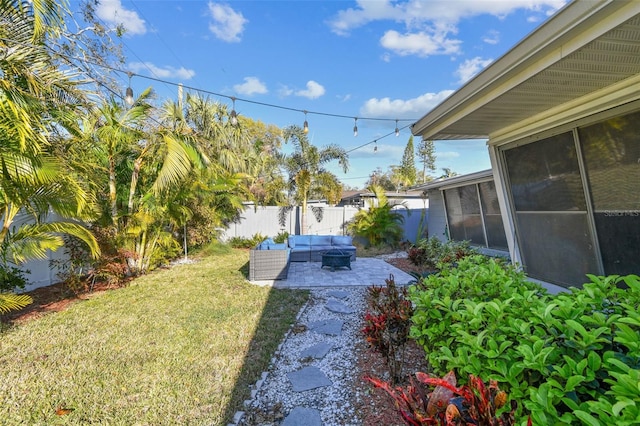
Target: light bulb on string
{"type": "Point", "coordinates": [375, 146]}
{"type": "Point", "coordinates": [129, 93]}
{"type": "Point", "coordinates": [233, 117]}
{"type": "Point", "coordinates": [397, 130]}
{"type": "Point", "coordinates": [305, 126]}
{"type": "Point", "coordinates": [355, 126]}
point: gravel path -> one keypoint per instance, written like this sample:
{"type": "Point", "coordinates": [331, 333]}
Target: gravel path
{"type": "Point", "coordinates": [306, 384]}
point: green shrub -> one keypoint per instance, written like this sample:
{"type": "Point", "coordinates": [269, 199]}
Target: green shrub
{"type": "Point", "coordinates": [281, 237]}
{"type": "Point", "coordinates": [379, 225]}
{"type": "Point", "coordinates": [11, 278]}
{"type": "Point", "coordinates": [243, 242]}
{"type": "Point", "coordinates": [569, 357]}
{"type": "Point", "coordinates": [429, 253]}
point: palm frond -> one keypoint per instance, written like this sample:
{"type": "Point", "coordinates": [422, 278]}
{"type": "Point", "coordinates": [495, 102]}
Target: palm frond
{"type": "Point", "coordinates": [32, 241]}
{"type": "Point", "coordinates": [13, 302]}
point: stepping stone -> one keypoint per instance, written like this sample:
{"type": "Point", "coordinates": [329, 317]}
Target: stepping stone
{"type": "Point", "coordinates": [338, 294]}
{"type": "Point", "coordinates": [331, 327]}
{"type": "Point", "coordinates": [339, 307]}
{"type": "Point", "coordinates": [301, 416]}
{"type": "Point", "coordinates": [317, 351]}
{"type": "Point", "coordinates": [308, 378]}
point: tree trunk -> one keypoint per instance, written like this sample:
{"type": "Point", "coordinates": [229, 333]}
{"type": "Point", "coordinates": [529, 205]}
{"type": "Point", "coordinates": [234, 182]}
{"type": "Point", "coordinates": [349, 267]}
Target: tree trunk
{"type": "Point", "coordinates": [303, 219]}
{"type": "Point", "coordinates": [112, 190]}
{"type": "Point", "coordinates": [134, 183]}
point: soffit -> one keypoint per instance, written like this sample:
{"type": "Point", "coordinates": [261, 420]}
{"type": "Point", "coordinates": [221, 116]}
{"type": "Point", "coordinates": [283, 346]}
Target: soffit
{"type": "Point", "coordinates": [610, 58]}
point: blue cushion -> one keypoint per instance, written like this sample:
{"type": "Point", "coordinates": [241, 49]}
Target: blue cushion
{"type": "Point", "coordinates": [320, 240]}
{"type": "Point", "coordinates": [301, 240]}
{"type": "Point", "coordinates": [275, 246]}
{"type": "Point", "coordinates": [341, 240]}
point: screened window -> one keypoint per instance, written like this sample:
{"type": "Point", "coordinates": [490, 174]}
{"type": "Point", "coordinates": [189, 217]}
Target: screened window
{"type": "Point", "coordinates": [611, 151]}
{"type": "Point", "coordinates": [463, 213]}
{"type": "Point", "coordinates": [492, 217]}
{"type": "Point", "coordinates": [475, 219]}
{"type": "Point", "coordinates": [550, 210]}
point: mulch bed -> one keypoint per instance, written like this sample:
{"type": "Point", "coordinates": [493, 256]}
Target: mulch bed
{"type": "Point", "coordinates": [373, 405]}
{"type": "Point", "coordinates": [53, 298]}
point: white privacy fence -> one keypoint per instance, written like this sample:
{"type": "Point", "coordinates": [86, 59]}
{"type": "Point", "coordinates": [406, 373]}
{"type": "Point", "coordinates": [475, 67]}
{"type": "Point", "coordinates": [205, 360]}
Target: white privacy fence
{"type": "Point", "coordinates": [264, 221]}
{"type": "Point", "coordinates": [261, 220]}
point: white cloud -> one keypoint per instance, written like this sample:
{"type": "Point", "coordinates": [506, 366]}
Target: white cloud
{"type": "Point", "coordinates": [112, 12]}
{"type": "Point", "coordinates": [251, 86]}
{"type": "Point", "coordinates": [492, 37]}
{"type": "Point", "coordinates": [428, 25]}
{"type": "Point", "coordinates": [386, 57]}
{"type": "Point", "coordinates": [344, 98]}
{"type": "Point", "coordinates": [415, 13]}
{"type": "Point", "coordinates": [399, 108]}
{"type": "Point", "coordinates": [227, 24]}
{"type": "Point", "coordinates": [162, 72]}
{"type": "Point", "coordinates": [420, 44]}
{"type": "Point", "coordinates": [471, 67]}
{"type": "Point", "coordinates": [313, 91]}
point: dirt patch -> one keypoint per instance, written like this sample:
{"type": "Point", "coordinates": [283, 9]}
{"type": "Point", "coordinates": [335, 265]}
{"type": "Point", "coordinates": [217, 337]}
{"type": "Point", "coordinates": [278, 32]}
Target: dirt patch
{"type": "Point", "coordinates": [53, 298]}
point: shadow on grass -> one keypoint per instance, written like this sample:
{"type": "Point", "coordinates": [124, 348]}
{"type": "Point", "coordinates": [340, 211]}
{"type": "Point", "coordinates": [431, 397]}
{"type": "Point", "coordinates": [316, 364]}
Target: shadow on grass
{"type": "Point", "coordinates": [279, 313]}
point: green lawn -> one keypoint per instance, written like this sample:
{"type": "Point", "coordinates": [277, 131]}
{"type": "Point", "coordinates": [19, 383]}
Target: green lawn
{"type": "Point", "coordinates": [179, 346]}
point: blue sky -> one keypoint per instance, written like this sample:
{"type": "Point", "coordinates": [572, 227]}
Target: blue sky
{"type": "Point", "coordinates": [366, 59]}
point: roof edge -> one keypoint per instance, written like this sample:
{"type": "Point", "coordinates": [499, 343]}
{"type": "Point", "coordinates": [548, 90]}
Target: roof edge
{"type": "Point", "coordinates": [546, 45]}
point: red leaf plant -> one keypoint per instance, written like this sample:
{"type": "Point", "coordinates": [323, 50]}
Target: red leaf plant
{"type": "Point", "coordinates": [449, 405]}
{"type": "Point", "coordinates": [387, 324]}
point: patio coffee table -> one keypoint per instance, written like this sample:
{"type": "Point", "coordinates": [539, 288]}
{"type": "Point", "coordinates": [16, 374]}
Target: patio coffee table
{"type": "Point", "coordinates": [336, 259]}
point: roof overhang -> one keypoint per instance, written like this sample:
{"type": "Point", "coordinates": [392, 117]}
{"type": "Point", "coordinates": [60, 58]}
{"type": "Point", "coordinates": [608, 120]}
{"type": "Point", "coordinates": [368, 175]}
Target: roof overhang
{"type": "Point", "coordinates": [460, 180]}
{"type": "Point", "coordinates": [573, 58]}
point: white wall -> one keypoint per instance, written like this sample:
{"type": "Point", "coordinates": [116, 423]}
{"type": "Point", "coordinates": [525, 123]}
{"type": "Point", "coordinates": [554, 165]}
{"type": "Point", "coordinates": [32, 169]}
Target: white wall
{"type": "Point", "coordinates": [437, 216]}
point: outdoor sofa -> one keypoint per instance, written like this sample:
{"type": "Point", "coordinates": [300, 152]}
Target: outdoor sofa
{"type": "Point", "coordinates": [269, 261]}
{"type": "Point", "coordinates": [309, 248]}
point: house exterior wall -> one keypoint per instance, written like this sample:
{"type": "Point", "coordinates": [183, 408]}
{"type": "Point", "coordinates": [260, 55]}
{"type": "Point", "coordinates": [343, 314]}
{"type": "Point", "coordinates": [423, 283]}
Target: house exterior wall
{"type": "Point", "coordinates": [437, 216]}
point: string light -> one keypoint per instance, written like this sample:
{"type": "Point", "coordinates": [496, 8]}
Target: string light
{"type": "Point", "coordinates": [129, 93]}
{"type": "Point", "coordinates": [375, 145]}
{"type": "Point", "coordinates": [397, 130]}
{"type": "Point", "coordinates": [130, 100]}
{"type": "Point", "coordinates": [355, 126]}
{"type": "Point", "coordinates": [233, 117]}
{"type": "Point", "coordinates": [305, 126]}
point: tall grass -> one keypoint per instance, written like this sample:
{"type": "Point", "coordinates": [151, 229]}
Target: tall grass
{"type": "Point", "coordinates": [178, 346]}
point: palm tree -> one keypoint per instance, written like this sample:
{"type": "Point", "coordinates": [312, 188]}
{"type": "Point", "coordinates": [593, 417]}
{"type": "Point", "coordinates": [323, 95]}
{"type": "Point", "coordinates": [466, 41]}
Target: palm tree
{"type": "Point", "coordinates": [146, 162]}
{"type": "Point", "coordinates": [37, 102]}
{"type": "Point", "coordinates": [306, 172]}
{"type": "Point", "coordinates": [379, 224]}
{"type": "Point", "coordinates": [447, 173]}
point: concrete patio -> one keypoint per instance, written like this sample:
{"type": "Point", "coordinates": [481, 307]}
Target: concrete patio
{"type": "Point", "coordinates": [365, 271]}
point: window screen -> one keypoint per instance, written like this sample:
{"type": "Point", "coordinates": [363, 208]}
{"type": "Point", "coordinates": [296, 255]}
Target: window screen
{"type": "Point", "coordinates": [463, 214]}
{"type": "Point", "coordinates": [492, 219]}
{"type": "Point", "coordinates": [611, 151]}
{"type": "Point", "coordinates": [551, 218]}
